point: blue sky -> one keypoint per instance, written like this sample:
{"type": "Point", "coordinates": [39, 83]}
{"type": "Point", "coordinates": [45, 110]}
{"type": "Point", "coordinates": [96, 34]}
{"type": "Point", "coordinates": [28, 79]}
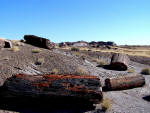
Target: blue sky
{"type": "Point", "coordinates": [121, 21]}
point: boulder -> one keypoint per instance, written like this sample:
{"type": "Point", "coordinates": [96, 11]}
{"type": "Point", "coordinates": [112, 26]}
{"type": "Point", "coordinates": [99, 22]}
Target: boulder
{"type": "Point", "coordinates": [66, 87]}
{"type": "Point", "coordinates": [38, 41]}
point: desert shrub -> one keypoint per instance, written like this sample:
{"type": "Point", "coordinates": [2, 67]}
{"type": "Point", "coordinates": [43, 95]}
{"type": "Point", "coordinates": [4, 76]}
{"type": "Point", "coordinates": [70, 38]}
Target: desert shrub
{"type": "Point", "coordinates": [100, 63]}
{"type": "Point", "coordinates": [106, 104]}
{"type": "Point", "coordinates": [54, 71]}
{"type": "Point", "coordinates": [146, 71]}
{"type": "Point", "coordinates": [75, 49]}
{"type": "Point", "coordinates": [81, 71]}
{"type": "Point", "coordinates": [14, 49]}
{"type": "Point", "coordinates": [39, 61]}
{"type": "Point", "coordinates": [36, 50]}
{"type": "Point", "coordinates": [131, 70]}
{"type": "Point", "coordinates": [14, 41]}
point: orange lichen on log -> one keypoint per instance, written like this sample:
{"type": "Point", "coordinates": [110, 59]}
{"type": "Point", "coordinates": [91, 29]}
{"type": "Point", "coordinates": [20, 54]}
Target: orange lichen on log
{"type": "Point", "coordinates": [56, 86]}
{"type": "Point", "coordinates": [28, 77]}
{"type": "Point", "coordinates": [56, 77]}
{"type": "Point", "coordinates": [76, 88]}
{"type": "Point", "coordinates": [41, 85]}
{"type": "Point", "coordinates": [21, 75]}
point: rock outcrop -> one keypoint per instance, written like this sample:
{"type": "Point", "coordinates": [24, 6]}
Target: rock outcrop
{"type": "Point", "coordinates": [81, 44]}
{"type": "Point", "coordinates": [39, 41]}
{"type": "Point", "coordinates": [86, 88]}
{"type": "Point", "coordinates": [86, 44]}
{"type": "Point", "coordinates": [101, 43]}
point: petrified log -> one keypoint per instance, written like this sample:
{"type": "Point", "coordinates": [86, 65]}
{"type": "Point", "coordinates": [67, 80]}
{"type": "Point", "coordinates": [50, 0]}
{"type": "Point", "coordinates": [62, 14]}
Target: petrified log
{"type": "Point", "coordinates": [38, 41]}
{"type": "Point", "coordinates": [8, 44]}
{"type": "Point", "coordinates": [70, 87]}
{"type": "Point", "coordinates": [124, 82]}
{"type": "Point", "coordinates": [119, 62]}
{"type": "Point", "coordinates": [5, 43]}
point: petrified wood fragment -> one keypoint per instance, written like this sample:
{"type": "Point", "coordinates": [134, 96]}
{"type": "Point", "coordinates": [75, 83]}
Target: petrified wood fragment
{"type": "Point", "coordinates": [55, 86]}
{"type": "Point", "coordinates": [5, 43]}
{"type": "Point", "coordinates": [124, 82]}
{"type": "Point", "coordinates": [119, 62]}
{"type": "Point", "coordinates": [38, 41]}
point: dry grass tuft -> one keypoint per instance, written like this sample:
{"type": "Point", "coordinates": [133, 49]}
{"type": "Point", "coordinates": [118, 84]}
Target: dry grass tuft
{"type": "Point", "coordinates": [131, 70]}
{"type": "Point", "coordinates": [39, 61]}
{"type": "Point", "coordinates": [54, 71]}
{"type": "Point", "coordinates": [77, 54]}
{"type": "Point", "coordinates": [19, 44]}
{"type": "Point", "coordinates": [106, 104]}
{"type": "Point", "coordinates": [146, 71]}
{"type": "Point", "coordinates": [100, 63]}
{"type": "Point", "coordinates": [81, 71]}
{"type": "Point", "coordinates": [37, 50]}
{"type": "Point", "coordinates": [75, 49]}
{"type": "Point", "coordinates": [15, 41]}
{"type": "Point", "coordinates": [14, 49]}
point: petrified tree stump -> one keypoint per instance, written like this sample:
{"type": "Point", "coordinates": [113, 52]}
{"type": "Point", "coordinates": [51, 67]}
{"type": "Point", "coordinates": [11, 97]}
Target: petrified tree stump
{"type": "Point", "coordinates": [70, 87]}
{"type": "Point", "coordinates": [124, 82]}
{"type": "Point", "coordinates": [119, 62]}
{"type": "Point", "coordinates": [38, 41]}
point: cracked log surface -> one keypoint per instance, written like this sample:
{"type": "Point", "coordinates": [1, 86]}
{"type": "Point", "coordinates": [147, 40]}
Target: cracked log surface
{"type": "Point", "coordinates": [119, 62]}
{"type": "Point", "coordinates": [124, 82]}
{"type": "Point", "coordinates": [65, 87]}
{"type": "Point", "coordinates": [38, 41]}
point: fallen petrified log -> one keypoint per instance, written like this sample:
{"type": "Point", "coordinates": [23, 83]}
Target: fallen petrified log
{"type": "Point", "coordinates": [38, 41]}
{"type": "Point", "coordinates": [119, 62]}
{"type": "Point", "coordinates": [60, 87]}
{"type": "Point", "coordinates": [124, 82]}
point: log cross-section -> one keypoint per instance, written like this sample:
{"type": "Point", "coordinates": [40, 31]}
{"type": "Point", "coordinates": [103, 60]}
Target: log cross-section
{"type": "Point", "coordinates": [62, 86]}
{"type": "Point", "coordinates": [119, 62]}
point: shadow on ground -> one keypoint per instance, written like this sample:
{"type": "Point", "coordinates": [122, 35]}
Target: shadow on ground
{"type": "Point", "coordinates": [147, 98]}
{"type": "Point", "coordinates": [44, 105]}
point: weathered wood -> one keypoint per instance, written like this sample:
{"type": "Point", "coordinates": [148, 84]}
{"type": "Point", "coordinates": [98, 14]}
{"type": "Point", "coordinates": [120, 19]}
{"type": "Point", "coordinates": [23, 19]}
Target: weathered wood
{"type": "Point", "coordinates": [124, 82]}
{"type": "Point", "coordinates": [38, 41]}
{"type": "Point", "coordinates": [119, 62]}
{"type": "Point", "coordinates": [55, 86]}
